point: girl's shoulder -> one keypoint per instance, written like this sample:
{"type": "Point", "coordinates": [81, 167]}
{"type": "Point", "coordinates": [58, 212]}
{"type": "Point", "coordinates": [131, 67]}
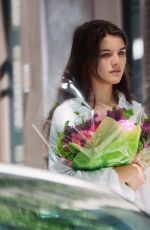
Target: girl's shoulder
{"type": "Point", "coordinates": [135, 105]}
{"type": "Point", "coordinates": [68, 105]}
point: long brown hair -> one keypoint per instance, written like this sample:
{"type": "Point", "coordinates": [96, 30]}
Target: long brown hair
{"type": "Point", "coordinates": [83, 60]}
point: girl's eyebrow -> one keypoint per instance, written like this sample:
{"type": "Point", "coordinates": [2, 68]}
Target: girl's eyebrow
{"type": "Point", "coordinates": [108, 50]}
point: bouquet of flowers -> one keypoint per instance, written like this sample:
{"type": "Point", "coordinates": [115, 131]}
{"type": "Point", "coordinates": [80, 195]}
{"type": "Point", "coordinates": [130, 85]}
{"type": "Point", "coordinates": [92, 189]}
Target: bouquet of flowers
{"type": "Point", "coordinates": [99, 142]}
{"type": "Point", "coordinates": [93, 141]}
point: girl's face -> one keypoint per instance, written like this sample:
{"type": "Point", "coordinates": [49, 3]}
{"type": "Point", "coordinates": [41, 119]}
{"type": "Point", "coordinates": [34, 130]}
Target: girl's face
{"type": "Point", "coordinates": [112, 59]}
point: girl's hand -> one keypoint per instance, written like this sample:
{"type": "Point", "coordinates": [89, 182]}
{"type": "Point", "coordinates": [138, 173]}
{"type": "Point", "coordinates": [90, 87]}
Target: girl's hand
{"type": "Point", "coordinates": [132, 175]}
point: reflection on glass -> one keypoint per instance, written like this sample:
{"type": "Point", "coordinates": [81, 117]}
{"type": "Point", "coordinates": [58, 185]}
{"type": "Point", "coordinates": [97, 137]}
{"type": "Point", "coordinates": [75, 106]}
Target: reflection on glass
{"type": "Point", "coordinates": [28, 204]}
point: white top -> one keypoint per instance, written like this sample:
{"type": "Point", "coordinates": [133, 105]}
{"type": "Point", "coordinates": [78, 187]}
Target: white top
{"type": "Point", "coordinates": [105, 176]}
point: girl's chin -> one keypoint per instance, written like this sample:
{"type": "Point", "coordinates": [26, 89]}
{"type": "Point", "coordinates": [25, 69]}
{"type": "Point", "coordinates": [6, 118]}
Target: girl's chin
{"type": "Point", "coordinates": [115, 81]}
{"type": "Point", "coordinates": [112, 81]}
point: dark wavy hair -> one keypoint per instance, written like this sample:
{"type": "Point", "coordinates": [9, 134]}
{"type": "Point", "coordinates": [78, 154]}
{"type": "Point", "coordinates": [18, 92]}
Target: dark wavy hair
{"type": "Point", "coordinates": [83, 60]}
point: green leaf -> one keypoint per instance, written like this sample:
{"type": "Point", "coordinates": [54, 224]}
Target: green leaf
{"type": "Point", "coordinates": [66, 124]}
{"type": "Point", "coordinates": [77, 113]}
{"type": "Point", "coordinates": [114, 108]}
{"type": "Point", "coordinates": [147, 118]}
{"type": "Point", "coordinates": [128, 113]}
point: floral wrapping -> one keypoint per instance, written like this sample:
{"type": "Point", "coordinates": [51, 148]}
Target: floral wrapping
{"type": "Point", "coordinates": [98, 142]}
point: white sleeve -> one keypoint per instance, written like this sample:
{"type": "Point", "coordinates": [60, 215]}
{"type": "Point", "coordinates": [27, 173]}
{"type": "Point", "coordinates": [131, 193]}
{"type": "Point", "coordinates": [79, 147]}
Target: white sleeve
{"type": "Point", "coordinates": [142, 196]}
{"type": "Point", "coordinates": [105, 176]}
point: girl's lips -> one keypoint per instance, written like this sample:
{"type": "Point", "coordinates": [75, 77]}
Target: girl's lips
{"type": "Point", "coordinates": [115, 71]}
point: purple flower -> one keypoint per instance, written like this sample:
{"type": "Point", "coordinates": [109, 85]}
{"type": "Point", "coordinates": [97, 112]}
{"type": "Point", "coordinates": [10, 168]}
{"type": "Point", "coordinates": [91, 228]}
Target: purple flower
{"type": "Point", "coordinates": [116, 114]}
{"type": "Point", "coordinates": [147, 145]}
{"type": "Point", "coordinates": [146, 128]}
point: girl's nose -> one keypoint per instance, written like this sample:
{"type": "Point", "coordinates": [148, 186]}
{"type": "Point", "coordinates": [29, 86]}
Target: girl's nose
{"type": "Point", "coordinates": [115, 59]}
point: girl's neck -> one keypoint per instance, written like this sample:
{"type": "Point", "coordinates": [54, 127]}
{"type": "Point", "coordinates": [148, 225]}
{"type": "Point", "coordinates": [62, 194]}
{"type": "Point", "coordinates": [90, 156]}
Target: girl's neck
{"type": "Point", "coordinates": [103, 94]}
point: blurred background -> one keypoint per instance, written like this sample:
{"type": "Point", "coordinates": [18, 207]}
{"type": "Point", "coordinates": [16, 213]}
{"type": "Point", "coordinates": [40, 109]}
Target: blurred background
{"type": "Point", "coordinates": [35, 40]}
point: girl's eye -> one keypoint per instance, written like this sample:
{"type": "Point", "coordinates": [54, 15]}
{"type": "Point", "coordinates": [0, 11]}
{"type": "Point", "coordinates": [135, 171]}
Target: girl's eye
{"type": "Point", "coordinates": [122, 53]}
{"type": "Point", "coordinates": [105, 55]}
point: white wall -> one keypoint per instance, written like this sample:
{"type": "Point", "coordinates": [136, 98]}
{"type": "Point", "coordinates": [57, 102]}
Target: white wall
{"type": "Point", "coordinates": [108, 10]}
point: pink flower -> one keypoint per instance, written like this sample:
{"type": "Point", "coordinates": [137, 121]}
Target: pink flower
{"type": "Point", "coordinates": [75, 138]}
{"type": "Point", "coordinates": [86, 133]}
{"type": "Point", "coordinates": [127, 124]}
{"type": "Point", "coordinates": [81, 137]}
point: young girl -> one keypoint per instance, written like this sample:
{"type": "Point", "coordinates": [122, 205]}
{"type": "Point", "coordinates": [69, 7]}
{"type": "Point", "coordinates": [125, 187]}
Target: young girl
{"type": "Point", "coordinates": [98, 65]}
